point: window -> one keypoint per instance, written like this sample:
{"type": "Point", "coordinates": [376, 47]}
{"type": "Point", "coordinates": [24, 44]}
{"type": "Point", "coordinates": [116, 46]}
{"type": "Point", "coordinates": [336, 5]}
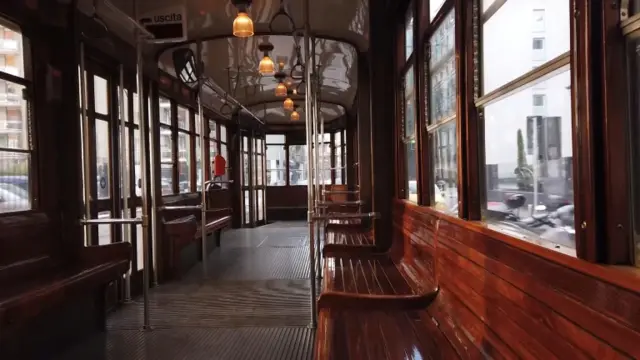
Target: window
{"type": "Point", "coordinates": [506, 54]}
{"type": "Point", "coordinates": [538, 19]}
{"type": "Point", "coordinates": [298, 165]}
{"type": "Point", "coordinates": [16, 144]}
{"type": "Point", "coordinates": [339, 153]}
{"type": "Point", "coordinates": [527, 132]}
{"type": "Point", "coordinates": [166, 147]}
{"type": "Point", "coordinates": [538, 43]}
{"type": "Point", "coordinates": [434, 7]}
{"type": "Point", "coordinates": [408, 35]}
{"type": "Point", "coordinates": [276, 160]}
{"type": "Point", "coordinates": [408, 115]}
{"type": "Point", "coordinates": [443, 186]}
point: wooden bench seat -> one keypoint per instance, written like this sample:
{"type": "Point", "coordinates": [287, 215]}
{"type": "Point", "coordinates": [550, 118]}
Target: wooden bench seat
{"type": "Point", "coordinates": [381, 335]}
{"type": "Point", "coordinates": [38, 288]}
{"type": "Point", "coordinates": [376, 305]}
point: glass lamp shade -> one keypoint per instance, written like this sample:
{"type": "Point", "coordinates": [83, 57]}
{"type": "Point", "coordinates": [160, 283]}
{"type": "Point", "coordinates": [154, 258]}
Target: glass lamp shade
{"type": "Point", "coordinates": [288, 104]}
{"type": "Point", "coordinates": [281, 90]}
{"type": "Point", "coordinates": [242, 25]}
{"type": "Point", "coordinates": [295, 116]}
{"type": "Point", "coordinates": [266, 66]}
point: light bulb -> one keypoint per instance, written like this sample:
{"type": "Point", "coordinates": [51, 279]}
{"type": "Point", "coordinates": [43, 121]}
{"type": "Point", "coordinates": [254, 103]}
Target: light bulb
{"type": "Point", "coordinates": [281, 90]}
{"type": "Point", "coordinates": [295, 116]}
{"type": "Point", "coordinates": [266, 66]}
{"type": "Point", "coordinates": [242, 25]}
{"type": "Point", "coordinates": [288, 104]}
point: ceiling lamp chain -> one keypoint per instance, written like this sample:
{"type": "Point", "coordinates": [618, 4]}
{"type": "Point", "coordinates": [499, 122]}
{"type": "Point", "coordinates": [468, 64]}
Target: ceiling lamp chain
{"type": "Point", "coordinates": [242, 25]}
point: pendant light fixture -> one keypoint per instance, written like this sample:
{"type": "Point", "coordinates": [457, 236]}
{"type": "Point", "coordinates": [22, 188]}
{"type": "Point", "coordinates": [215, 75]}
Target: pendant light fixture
{"type": "Point", "coordinates": [295, 116]}
{"type": "Point", "coordinates": [266, 66]}
{"type": "Point", "coordinates": [281, 88]}
{"type": "Point", "coordinates": [288, 104]}
{"type": "Point", "coordinates": [242, 25]}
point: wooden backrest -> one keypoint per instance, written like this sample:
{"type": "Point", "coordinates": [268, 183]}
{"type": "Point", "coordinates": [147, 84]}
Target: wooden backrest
{"type": "Point", "coordinates": [28, 247]}
{"type": "Point", "coordinates": [512, 299]}
{"type": "Point", "coordinates": [416, 237]}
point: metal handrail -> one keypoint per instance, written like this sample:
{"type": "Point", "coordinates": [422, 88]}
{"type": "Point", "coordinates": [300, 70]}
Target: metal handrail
{"type": "Point", "coordinates": [340, 203]}
{"type": "Point", "coordinates": [110, 221]}
{"type": "Point", "coordinates": [343, 216]}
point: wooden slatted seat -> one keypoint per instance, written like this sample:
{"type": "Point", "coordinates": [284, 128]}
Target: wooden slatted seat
{"type": "Point", "coordinates": [381, 335]}
{"type": "Point", "coordinates": [34, 286]}
{"type": "Point", "coordinates": [376, 305]}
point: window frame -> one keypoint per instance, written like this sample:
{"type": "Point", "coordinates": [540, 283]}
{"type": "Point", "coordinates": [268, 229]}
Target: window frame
{"type": "Point", "coordinates": [27, 82]}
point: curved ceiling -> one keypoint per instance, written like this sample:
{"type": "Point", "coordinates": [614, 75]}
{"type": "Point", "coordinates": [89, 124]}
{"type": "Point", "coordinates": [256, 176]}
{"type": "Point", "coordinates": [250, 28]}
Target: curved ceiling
{"type": "Point", "coordinates": [233, 62]}
{"type": "Point", "coordinates": [341, 29]}
{"type": "Point", "coordinates": [274, 113]}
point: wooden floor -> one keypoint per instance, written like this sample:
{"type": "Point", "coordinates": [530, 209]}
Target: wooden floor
{"type": "Point", "coordinates": [253, 305]}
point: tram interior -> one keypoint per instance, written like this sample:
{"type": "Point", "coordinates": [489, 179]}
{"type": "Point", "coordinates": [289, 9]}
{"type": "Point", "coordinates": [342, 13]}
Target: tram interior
{"type": "Point", "coordinates": [306, 179]}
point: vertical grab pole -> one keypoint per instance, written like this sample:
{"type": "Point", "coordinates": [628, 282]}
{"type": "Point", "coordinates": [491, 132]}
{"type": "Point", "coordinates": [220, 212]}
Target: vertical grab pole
{"type": "Point", "coordinates": [200, 72]}
{"type": "Point", "coordinates": [316, 151]}
{"type": "Point", "coordinates": [322, 173]}
{"type": "Point", "coordinates": [86, 163]}
{"type": "Point", "coordinates": [308, 124]}
{"type": "Point", "coordinates": [124, 158]}
{"type": "Point", "coordinates": [151, 130]}
{"type": "Point", "coordinates": [145, 191]}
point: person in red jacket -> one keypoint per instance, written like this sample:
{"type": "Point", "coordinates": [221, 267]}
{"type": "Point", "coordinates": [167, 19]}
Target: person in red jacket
{"type": "Point", "coordinates": [219, 166]}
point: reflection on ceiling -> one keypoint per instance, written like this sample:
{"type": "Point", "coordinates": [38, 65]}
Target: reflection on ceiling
{"type": "Point", "coordinates": [274, 113]}
{"type": "Point", "coordinates": [341, 28]}
{"type": "Point", "coordinates": [233, 64]}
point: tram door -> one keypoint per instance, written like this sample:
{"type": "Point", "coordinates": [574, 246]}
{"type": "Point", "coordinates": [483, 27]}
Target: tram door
{"type": "Point", "coordinates": [245, 150]}
{"type": "Point", "coordinates": [105, 186]}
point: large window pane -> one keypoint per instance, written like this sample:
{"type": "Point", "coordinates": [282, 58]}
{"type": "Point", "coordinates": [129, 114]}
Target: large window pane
{"type": "Point", "coordinates": [260, 205]}
{"type": "Point", "coordinates": [14, 181]}
{"type": "Point", "coordinates": [510, 54]}
{"type": "Point", "coordinates": [298, 165]}
{"type": "Point", "coordinates": [434, 6]}
{"type": "Point", "coordinates": [198, 157]}
{"type": "Point", "coordinates": [101, 95]}
{"type": "Point", "coordinates": [212, 130]}
{"type": "Point", "coordinates": [184, 162]}
{"type": "Point", "coordinates": [275, 139]}
{"type": "Point", "coordinates": [183, 118]}
{"type": "Point", "coordinates": [104, 230]}
{"type": "Point", "coordinates": [166, 160]}
{"type": "Point", "coordinates": [445, 168]}
{"type": "Point", "coordinates": [245, 169]}
{"type": "Point", "coordinates": [442, 73]}
{"type": "Point", "coordinates": [529, 188]}
{"type": "Point", "coordinates": [102, 159]}
{"type": "Point", "coordinates": [247, 207]}
{"type": "Point", "coordinates": [137, 162]}
{"type": "Point", "coordinates": [408, 34]}
{"type": "Point", "coordinates": [223, 134]}
{"type": "Point", "coordinates": [165, 111]}
{"type": "Point", "coordinates": [276, 164]}
{"type": "Point", "coordinates": [409, 141]}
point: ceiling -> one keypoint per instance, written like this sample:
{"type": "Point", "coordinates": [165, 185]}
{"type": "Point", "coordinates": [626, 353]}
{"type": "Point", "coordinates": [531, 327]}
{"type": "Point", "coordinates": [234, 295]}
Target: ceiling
{"type": "Point", "coordinates": [340, 27]}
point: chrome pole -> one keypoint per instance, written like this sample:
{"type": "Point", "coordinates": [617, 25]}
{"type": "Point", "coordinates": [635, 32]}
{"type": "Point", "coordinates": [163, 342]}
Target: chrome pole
{"type": "Point", "coordinates": [308, 124]}
{"type": "Point", "coordinates": [145, 190]}
{"type": "Point", "coordinates": [124, 157]}
{"type": "Point", "coordinates": [203, 190]}
{"type": "Point", "coordinates": [316, 150]}
{"type": "Point", "coordinates": [86, 159]}
{"type": "Point", "coordinates": [153, 175]}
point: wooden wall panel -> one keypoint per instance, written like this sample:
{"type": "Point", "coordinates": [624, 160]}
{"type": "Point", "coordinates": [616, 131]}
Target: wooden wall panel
{"type": "Point", "coordinates": [514, 300]}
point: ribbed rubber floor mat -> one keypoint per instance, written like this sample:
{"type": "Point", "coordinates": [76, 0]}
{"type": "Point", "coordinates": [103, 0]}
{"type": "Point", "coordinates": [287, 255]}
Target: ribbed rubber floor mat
{"type": "Point", "coordinates": [257, 263]}
{"type": "Point", "coordinates": [235, 304]}
{"type": "Point", "coordinates": [197, 343]}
